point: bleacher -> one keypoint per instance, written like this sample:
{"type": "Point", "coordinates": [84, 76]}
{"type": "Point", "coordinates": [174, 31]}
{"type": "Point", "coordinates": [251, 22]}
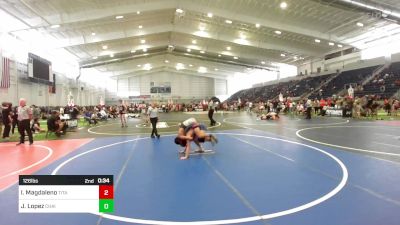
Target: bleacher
{"type": "Point", "coordinates": [385, 85]}
{"type": "Point", "coordinates": [309, 84]}
{"type": "Point", "coordinates": [390, 79]}
{"type": "Point", "coordinates": [338, 84]}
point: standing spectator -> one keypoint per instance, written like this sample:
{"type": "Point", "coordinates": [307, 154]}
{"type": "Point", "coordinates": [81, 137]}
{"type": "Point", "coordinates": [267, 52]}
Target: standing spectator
{"type": "Point", "coordinates": [316, 106]}
{"type": "Point", "coordinates": [153, 115]}
{"type": "Point", "coordinates": [322, 106]}
{"type": "Point", "coordinates": [122, 112]}
{"type": "Point", "coordinates": [211, 108]}
{"type": "Point", "coordinates": [309, 108]}
{"type": "Point", "coordinates": [36, 112]}
{"type": "Point", "coordinates": [14, 119]}
{"type": "Point", "coordinates": [24, 121]}
{"type": "Point", "coordinates": [6, 112]}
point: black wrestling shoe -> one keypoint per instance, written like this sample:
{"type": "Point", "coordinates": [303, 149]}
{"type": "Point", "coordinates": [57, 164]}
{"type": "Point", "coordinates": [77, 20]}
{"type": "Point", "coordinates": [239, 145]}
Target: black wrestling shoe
{"type": "Point", "coordinates": [158, 136]}
{"type": "Point", "coordinates": [214, 140]}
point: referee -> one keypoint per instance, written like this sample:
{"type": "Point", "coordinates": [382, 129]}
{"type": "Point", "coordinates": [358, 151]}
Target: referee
{"type": "Point", "coordinates": [24, 121]}
{"type": "Point", "coordinates": [152, 111]}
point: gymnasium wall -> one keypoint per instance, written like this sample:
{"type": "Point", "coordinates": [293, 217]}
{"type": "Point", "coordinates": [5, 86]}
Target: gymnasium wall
{"type": "Point", "coordinates": [347, 62]}
{"type": "Point", "coordinates": [183, 86]}
{"type": "Point", "coordinates": [38, 94]}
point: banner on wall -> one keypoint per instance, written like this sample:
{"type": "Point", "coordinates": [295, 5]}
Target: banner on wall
{"type": "Point", "coordinates": [5, 72]}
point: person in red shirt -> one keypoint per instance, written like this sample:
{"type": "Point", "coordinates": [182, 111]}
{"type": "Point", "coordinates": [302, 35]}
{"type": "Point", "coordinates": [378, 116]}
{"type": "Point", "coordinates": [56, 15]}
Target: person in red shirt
{"type": "Point", "coordinates": [329, 102]}
{"type": "Point", "coordinates": [322, 105]}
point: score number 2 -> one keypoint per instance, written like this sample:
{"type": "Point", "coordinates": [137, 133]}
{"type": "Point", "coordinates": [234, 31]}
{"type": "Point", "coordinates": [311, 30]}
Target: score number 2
{"type": "Point", "coordinates": [106, 192]}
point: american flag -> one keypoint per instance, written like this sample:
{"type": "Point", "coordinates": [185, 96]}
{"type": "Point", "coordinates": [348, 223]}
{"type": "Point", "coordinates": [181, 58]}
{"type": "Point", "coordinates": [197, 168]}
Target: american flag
{"type": "Point", "coordinates": [5, 75]}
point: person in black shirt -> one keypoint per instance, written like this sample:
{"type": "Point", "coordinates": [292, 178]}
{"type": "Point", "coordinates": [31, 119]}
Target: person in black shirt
{"type": "Point", "coordinates": [74, 113]}
{"type": "Point", "coordinates": [36, 126]}
{"type": "Point", "coordinates": [6, 112]}
{"type": "Point", "coordinates": [14, 119]}
{"type": "Point", "coordinates": [55, 125]}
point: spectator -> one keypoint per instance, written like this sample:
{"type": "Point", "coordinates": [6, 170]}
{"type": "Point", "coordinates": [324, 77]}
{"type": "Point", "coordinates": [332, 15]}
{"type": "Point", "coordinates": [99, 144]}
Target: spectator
{"type": "Point", "coordinates": [54, 124]}
{"type": "Point", "coordinates": [36, 112]}
{"type": "Point", "coordinates": [36, 126]}
{"type": "Point", "coordinates": [7, 119]}
{"type": "Point", "coordinates": [14, 119]}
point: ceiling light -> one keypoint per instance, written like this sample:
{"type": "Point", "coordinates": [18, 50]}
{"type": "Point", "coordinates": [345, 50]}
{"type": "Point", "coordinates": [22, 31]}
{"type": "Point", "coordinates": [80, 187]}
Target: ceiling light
{"type": "Point", "coordinates": [360, 24]}
{"type": "Point", "coordinates": [317, 40]}
{"type": "Point", "coordinates": [242, 36]}
{"type": "Point", "coordinates": [94, 57]}
{"type": "Point", "coordinates": [111, 55]}
{"type": "Point", "coordinates": [188, 50]}
{"type": "Point", "coordinates": [210, 15]}
{"type": "Point", "coordinates": [147, 66]}
{"type": "Point", "coordinates": [133, 51]}
{"type": "Point", "coordinates": [190, 65]}
{"type": "Point", "coordinates": [202, 28]}
{"type": "Point", "coordinates": [144, 50]}
{"type": "Point", "coordinates": [194, 42]}
{"type": "Point", "coordinates": [216, 69]}
{"type": "Point", "coordinates": [257, 25]}
{"type": "Point", "coordinates": [55, 26]}
{"type": "Point", "coordinates": [278, 32]}
{"type": "Point", "coordinates": [179, 66]}
{"type": "Point", "coordinates": [142, 41]}
{"type": "Point", "coordinates": [295, 58]}
{"type": "Point", "coordinates": [228, 21]}
{"type": "Point", "coordinates": [119, 17]}
{"type": "Point", "coordinates": [166, 61]}
{"type": "Point", "coordinates": [93, 33]}
{"type": "Point", "coordinates": [202, 69]}
{"type": "Point", "coordinates": [139, 65]}
{"type": "Point", "coordinates": [228, 48]}
{"type": "Point", "coordinates": [138, 12]}
{"type": "Point", "coordinates": [283, 55]}
{"type": "Point", "coordinates": [340, 46]}
{"type": "Point", "coordinates": [105, 47]}
{"type": "Point", "coordinates": [262, 62]}
{"type": "Point", "coordinates": [235, 57]}
{"type": "Point", "coordinates": [283, 5]}
{"type": "Point", "coordinates": [179, 10]}
{"type": "Point", "coordinates": [331, 43]}
{"type": "Point", "coordinates": [202, 52]}
{"type": "Point", "coordinates": [219, 55]}
{"type": "Point", "coordinates": [140, 26]}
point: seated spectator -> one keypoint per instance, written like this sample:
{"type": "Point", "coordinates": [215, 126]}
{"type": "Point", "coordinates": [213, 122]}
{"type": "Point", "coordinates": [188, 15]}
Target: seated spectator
{"type": "Point", "coordinates": [55, 124]}
{"type": "Point", "coordinates": [88, 117]}
{"type": "Point", "coordinates": [102, 114]}
{"type": "Point", "coordinates": [36, 126]}
{"type": "Point", "coordinates": [94, 118]}
{"type": "Point", "coordinates": [74, 112]}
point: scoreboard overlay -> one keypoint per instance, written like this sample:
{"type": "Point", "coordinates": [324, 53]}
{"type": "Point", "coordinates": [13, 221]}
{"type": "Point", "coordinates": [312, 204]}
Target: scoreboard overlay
{"type": "Point", "coordinates": [66, 193]}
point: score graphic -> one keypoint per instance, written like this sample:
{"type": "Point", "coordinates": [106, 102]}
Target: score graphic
{"type": "Point", "coordinates": [106, 196]}
{"type": "Point", "coordinates": [66, 193]}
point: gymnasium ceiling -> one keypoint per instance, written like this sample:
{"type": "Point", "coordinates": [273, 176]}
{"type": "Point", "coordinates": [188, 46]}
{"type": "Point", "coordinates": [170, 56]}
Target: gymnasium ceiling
{"type": "Point", "coordinates": [237, 33]}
